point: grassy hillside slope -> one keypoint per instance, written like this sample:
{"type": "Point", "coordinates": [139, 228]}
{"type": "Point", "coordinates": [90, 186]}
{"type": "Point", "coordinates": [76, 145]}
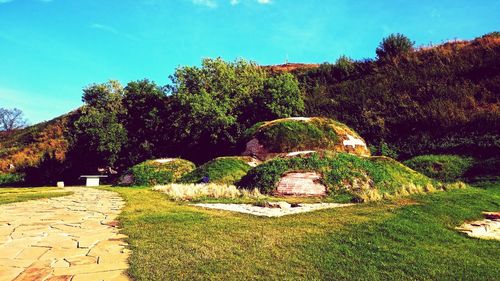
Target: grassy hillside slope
{"type": "Point", "coordinates": [441, 100]}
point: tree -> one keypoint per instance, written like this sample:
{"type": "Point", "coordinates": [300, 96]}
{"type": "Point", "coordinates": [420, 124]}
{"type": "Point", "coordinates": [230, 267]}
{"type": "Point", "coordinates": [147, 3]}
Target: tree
{"type": "Point", "coordinates": [345, 64]}
{"type": "Point", "coordinates": [281, 97]}
{"type": "Point", "coordinates": [146, 114]}
{"type": "Point", "coordinates": [98, 132]}
{"type": "Point", "coordinates": [11, 119]}
{"type": "Point", "coordinates": [215, 103]}
{"type": "Point", "coordinates": [210, 104]}
{"type": "Point", "coordinates": [394, 45]}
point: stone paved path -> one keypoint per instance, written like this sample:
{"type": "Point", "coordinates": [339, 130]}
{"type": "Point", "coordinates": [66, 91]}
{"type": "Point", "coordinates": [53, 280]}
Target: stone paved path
{"type": "Point", "coordinates": [65, 238]}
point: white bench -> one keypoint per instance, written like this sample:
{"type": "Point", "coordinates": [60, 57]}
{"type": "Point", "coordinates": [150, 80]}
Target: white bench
{"type": "Point", "coordinates": [92, 180]}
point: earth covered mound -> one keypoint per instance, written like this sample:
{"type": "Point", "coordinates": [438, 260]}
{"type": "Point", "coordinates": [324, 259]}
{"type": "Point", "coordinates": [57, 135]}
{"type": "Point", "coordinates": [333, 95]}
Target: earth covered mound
{"type": "Point", "coordinates": [302, 135]}
{"type": "Point", "coordinates": [345, 177]}
{"type": "Point", "coordinates": [442, 167]}
{"type": "Point", "coordinates": [158, 171]}
{"type": "Point", "coordinates": [223, 170]}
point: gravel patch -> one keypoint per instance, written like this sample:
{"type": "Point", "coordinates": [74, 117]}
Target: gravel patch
{"type": "Point", "coordinates": [283, 209]}
{"type": "Point", "coordinates": [489, 228]}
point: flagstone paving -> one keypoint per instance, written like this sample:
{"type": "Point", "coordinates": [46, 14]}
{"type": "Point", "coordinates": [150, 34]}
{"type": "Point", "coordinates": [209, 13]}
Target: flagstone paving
{"type": "Point", "coordinates": [73, 237]}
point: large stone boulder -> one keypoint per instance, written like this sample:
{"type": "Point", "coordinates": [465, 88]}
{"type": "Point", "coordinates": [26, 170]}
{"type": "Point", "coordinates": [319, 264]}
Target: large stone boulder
{"type": "Point", "coordinates": [302, 135]}
{"type": "Point", "coordinates": [301, 184]}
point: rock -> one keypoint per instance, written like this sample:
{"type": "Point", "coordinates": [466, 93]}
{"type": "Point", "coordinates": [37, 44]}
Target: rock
{"type": "Point", "coordinates": [301, 184]}
{"type": "Point", "coordinates": [126, 179]}
{"type": "Point", "coordinates": [492, 215]}
{"type": "Point", "coordinates": [488, 228]}
{"type": "Point", "coordinates": [284, 205]}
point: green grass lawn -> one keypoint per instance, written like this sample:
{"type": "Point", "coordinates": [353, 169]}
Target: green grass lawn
{"type": "Point", "coordinates": [18, 194]}
{"type": "Point", "coordinates": [406, 239]}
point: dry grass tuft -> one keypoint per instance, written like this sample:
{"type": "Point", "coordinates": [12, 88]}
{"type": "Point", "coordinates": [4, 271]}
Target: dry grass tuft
{"type": "Point", "coordinates": [211, 190]}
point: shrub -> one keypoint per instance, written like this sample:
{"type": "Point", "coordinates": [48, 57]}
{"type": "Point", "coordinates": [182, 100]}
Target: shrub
{"type": "Point", "coordinates": [394, 45]}
{"type": "Point", "coordinates": [153, 172]}
{"type": "Point", "coordinates": [441, 167]}
{"type": "Point", "coordinates": [383, 149]}
{"type": "Point", "coordinates": [364, 179]}
{"type": "Point", "coordinates": [10, 179]}
{"type": "Point", "coordinates": [199, 191]}
{"type": "Point", "coordinates": [222, 170]}
{"type": "Point", "coordinates": [484, 169]}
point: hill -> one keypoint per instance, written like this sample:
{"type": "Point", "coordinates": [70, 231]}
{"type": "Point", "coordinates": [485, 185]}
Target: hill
{"type": "Point", "coordinates": [24, 149]}
{"type": "Point", "coordinates": [441, 99]}
{"type": "Point", "coordinates": [435, 100]}
{"type": "Point", "coordinates": [289, 67]}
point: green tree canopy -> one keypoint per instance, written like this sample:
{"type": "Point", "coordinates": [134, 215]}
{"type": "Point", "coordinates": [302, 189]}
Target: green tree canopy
{"type": "Point", "coordinates": [394, 45]}
{"type": "Point", "coordinates": [144, 104]}
{"type": "Point", "coordinates": [215, 103]}
{"type": "Point", "coordinates": [98, 131]}
{"type": "Point", "coordinates": [281, 97]}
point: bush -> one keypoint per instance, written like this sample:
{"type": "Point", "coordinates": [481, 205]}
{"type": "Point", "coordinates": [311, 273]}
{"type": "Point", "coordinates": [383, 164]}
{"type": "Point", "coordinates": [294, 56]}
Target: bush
{"type": "Point", "coordinates": [10, 179]}
{"type": "Point", "coordinates": [383, 149]}
{"type": "Point", "coordinates": [153, 172]}
{"type": "Point", "coordinates": [364, 179]}
{"type": "Point", "coordinates": [394, 45]}
{"type": "Point", "coordinates": [446, 168]}
{"type": "Point", "coordinates": [222, 170]}
{"type": "Point", "coordinates": [484, 170]}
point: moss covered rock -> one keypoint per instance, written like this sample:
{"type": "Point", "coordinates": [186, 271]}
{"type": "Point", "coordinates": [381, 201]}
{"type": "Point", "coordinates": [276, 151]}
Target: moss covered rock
{"type": "Point", "coordinates": [159, 171]}
{"type": "Point", "coordinates": [442, 167]}
{"type": "Point", "coordinates": [302, 134]}
{"type": "Point", "coordinates": [347, 177]}
{"type": "Point", "coordinates": [223, 170]}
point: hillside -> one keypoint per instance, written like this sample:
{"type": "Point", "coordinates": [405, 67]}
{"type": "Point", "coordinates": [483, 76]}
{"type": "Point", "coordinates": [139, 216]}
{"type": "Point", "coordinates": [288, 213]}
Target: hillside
{"type": "Point", "coordinates": [290, 67]}
{"type": "Point", "coordinates": [443, 100]}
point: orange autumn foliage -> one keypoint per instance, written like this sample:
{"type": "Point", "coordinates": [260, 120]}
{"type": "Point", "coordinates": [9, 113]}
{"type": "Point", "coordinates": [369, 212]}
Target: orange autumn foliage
{"type": "Point", "coordinates": [50, 141]}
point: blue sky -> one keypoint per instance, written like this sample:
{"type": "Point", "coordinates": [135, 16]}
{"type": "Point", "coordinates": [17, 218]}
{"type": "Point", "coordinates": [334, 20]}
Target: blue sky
{"type": "Point", "coordinates": [51, 49]}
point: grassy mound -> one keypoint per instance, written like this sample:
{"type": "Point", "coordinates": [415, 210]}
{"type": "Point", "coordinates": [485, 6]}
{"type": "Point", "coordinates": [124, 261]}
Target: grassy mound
{"type": "Point", "coordinates": [347, 177]}
{"type": "Point", "coordinates": [222, 170]}
{"type": "Point", "coordinates": [301, 134]}
{"type": "Point", "coordinates": [153, 172]}
{"type": "Point", "coordinates": [442, 167]}
{"type": "Point", "coordinates": [7, 179]}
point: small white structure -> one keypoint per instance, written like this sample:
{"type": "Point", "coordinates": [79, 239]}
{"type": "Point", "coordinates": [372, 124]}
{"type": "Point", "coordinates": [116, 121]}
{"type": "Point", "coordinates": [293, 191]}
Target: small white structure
{"type": "Point", "coordinates": [352, 141]}
{"type": "Point", "coordinates": [92, 180]}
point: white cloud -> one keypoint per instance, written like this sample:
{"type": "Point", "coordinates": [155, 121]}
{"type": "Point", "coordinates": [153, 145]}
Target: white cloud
{"type": "Point", "coordinates": [207, 3]}
{"type": "Point", "coordinates": [214, 3]}
{"type": "Point", "coordinates": [104, 27]}
{"type": "Point", "coordinates": [113, 30]}
{"type": "Point", "coordinates": [262, 2]}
